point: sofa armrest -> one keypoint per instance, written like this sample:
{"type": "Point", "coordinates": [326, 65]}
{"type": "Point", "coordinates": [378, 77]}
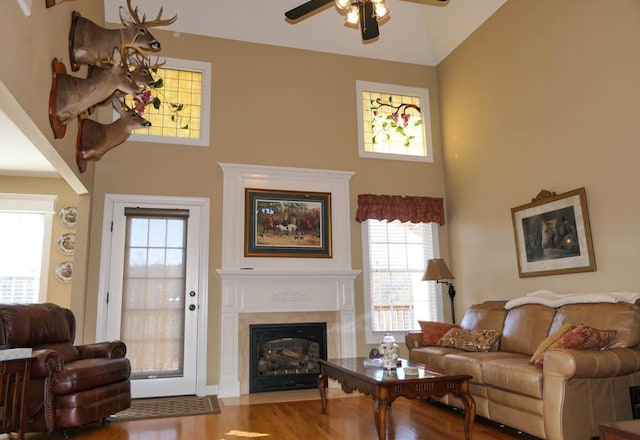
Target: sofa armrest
{"type": "Point", "coordinates": [110, 350]}
{"type": "Point", "coordinates": [591, 364]}
{"type": "Point", "coordinates": [45, 362]}
{"type": "Point", "coordinates": [413, 340]}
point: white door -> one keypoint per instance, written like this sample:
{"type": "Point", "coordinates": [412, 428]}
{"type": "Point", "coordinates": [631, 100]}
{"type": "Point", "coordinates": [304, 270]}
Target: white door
{"type": "Point", "coordinates": [154, 293]}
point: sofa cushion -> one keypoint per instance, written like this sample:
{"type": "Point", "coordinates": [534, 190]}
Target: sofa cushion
{"type": "Point", "coordinates": [86, 374]}
{"type": "Point", "coordinates": [487, 315]}
{"type": "Point", "coordinates": [581, 338]}
{"type": "Point", "coordinates": [515, 374]}
{"type": "Point", "coordinates": [469, 340]}
{"type": "Point", "coordinates": [551, 339]}
{"type": "Point", "coordinates": [621, 316]}
{"type": "Point", "coordinates": [433, 331]}
{"type": "Point", "coordinates": [525, 328]}
{"type": "Point", "coordinates": [29, 325]}
{"type": "Point", "coordinates": [472, 363]}
{"type": "Point", "coordinates": [433, 355]}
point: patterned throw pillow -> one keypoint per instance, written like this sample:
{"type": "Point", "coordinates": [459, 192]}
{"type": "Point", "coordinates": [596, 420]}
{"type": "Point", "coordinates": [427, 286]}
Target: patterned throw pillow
{"type": "Point", "coordinates": [469, 340]}
{"type": "Point", "coordinates": [433, 331]}
{"type": "Point", "coordinates": [582, 337]}
{"type": "Point", "coordinates": [549, 341]}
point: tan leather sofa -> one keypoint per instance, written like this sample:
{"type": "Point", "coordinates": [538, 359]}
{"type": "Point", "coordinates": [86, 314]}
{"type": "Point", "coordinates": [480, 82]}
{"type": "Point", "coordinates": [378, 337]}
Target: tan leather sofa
{"type": "Point", "coordinates": [567, 397]}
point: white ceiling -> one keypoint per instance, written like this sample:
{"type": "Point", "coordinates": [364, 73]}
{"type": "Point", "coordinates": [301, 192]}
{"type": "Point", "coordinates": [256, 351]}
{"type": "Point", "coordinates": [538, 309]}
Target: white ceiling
{"type": "Point", "coordinates": [419, 32]}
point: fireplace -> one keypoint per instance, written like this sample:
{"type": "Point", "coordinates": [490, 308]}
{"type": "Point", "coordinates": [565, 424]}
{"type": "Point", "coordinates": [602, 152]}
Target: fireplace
{"type": "Point", "coordinates": [286, 356]}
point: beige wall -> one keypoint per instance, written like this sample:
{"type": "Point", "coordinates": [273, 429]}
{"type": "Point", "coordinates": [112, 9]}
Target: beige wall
{"type": "Point", "coordinates": [270, 106]}
{"type": "Point", "coordinates": [544, 95]}
{"type": "Point", "coordinates": [29, 45]}
{"type": "Point", "coordinates": [57, 292]}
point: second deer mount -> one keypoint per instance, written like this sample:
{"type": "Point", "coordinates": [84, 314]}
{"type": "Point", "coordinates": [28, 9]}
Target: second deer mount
{"type": "Point", "coordinates": [117, 65]}
{"type": "Point", "coordinates": [95, 139]}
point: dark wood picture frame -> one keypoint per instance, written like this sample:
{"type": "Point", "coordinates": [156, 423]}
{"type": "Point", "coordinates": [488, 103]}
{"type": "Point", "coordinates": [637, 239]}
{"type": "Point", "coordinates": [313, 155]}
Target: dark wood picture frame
{"type": "Point", "coordinates": [553, 235]}
{"type": "Point", "coordinates": [281, 223]}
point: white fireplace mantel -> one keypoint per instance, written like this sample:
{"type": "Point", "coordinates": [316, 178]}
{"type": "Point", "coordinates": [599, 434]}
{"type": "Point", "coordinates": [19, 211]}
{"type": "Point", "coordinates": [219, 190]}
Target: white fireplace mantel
{"type": "Point", "coordinates": [282, 285]}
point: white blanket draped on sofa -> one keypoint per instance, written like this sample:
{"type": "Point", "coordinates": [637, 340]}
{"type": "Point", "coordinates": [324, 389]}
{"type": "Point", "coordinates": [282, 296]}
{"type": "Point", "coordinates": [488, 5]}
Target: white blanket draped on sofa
{"type": "Point", "coordinates": [552, 299]}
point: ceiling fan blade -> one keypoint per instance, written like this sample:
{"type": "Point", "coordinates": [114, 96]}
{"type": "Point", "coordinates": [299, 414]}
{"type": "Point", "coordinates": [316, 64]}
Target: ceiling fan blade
{"type": "Point", "coordinates": [306, 8]}
{"type": "Point", "coordinates": [368, 22]}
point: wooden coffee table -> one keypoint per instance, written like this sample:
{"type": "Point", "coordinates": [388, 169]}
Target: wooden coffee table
{"type": "Point", "coordinates": [384, 387]}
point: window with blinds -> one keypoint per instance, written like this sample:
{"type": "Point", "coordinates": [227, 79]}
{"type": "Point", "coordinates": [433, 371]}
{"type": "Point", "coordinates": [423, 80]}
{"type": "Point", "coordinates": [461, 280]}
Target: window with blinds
{"type": "Point", "coordinates": [396, 256]}
{"type": "Point", "coordinates": [25, 234]}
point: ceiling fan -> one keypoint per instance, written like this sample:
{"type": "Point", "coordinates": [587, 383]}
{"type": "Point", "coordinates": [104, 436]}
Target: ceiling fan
{"type": "Point", "coordinates": [365, 12]}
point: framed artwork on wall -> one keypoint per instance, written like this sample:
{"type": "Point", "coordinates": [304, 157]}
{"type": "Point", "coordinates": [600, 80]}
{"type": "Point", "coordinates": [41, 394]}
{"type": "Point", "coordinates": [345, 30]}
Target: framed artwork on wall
{"type": "Point", "coordinates": [553, 235]}
{"type": "Point", "coordinates": [280, 223]}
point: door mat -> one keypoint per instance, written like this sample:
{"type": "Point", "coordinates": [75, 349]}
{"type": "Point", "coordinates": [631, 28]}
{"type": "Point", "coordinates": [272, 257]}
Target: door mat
{"type": "Point", "coordinates": [160, 407]}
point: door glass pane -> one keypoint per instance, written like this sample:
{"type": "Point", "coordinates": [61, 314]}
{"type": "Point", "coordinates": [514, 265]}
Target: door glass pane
{"type": "Point", "coordinates": [154, 295]}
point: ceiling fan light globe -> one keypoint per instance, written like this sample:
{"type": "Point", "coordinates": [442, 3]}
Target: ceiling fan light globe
{"type": "Point", "coordinates": [343, 4]}
{"type": "Point", "coordinates": [353, 16]}
{"type": "Point", "coordinates": [381, 10]}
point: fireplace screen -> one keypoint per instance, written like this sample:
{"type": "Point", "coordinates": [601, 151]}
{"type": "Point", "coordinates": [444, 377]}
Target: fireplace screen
{"type": "Point", "coordinates": [286, 356]}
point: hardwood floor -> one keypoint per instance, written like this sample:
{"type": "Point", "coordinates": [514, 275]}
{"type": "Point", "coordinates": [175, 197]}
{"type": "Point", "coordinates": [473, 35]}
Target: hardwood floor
{"type": "Point", "coordinates": [347, 418]}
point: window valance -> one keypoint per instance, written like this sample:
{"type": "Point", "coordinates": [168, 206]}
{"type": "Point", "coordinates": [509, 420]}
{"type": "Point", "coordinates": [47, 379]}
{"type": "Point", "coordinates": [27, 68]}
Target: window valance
{"type": "Point", "coordinates": [404, 208]}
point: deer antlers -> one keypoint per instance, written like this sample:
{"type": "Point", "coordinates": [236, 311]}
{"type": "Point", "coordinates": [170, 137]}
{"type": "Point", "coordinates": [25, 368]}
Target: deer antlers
{"type": "Point", "coordinates": [133, 13]}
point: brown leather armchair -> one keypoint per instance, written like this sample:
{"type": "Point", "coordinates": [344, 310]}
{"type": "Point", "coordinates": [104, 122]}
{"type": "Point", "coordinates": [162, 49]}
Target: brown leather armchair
{"type": "Point", "coordinates": [71, 385]}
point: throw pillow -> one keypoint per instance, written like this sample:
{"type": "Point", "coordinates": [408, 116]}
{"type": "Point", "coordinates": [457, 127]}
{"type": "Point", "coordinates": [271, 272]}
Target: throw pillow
{"type": "Point", "coordinates": [550, 340]}
{"type": "Point", "coordinates": [469, 340]}
{"type": "Point", "coordinates": [433, 331]}
{"type": "Point", "coordinates": [582, 337]}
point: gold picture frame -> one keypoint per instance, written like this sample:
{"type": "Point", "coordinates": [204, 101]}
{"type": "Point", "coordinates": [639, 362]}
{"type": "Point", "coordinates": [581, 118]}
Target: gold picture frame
{"type": "Point", "coordinates": [280, 223]}
{"type": "Point", "coordinates": [553, 235]}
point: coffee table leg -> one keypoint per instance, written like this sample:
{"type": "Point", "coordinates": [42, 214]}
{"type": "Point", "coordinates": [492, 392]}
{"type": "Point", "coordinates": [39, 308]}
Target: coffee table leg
{"type": "Point", "coordinates": [380, 416]}
{"type": "Point", "coordinates": [470, 413]}
{"type": "Point", "coordinates": [322, 387]}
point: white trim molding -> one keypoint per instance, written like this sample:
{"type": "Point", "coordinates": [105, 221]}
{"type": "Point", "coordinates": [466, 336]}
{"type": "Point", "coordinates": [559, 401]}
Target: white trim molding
{"type": "Point", "coordinates": [264, 285]}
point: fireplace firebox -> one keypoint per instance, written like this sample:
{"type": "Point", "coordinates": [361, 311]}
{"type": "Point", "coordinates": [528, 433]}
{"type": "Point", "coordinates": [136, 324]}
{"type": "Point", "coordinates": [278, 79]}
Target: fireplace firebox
{"type": "Point", "coordinates": [286, 356]}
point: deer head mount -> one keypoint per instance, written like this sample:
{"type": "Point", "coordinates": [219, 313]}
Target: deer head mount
{"type": "Point", "coordinates": [95, 139]}
{"type": "Point", "coordinates": [71, 96]}
{"type": "Point", "coordinates": [117, 66]}
{"type": "Point", "coordinates": [90, 43]}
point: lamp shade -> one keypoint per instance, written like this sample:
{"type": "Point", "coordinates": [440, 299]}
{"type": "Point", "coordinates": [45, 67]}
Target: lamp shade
{"type": "Point", "coordinates": [437, 270]}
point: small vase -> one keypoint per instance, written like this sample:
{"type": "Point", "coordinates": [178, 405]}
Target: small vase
{"type": "Point", "coordinates": [389, 350]}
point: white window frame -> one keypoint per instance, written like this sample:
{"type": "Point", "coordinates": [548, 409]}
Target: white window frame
{"type": "Point", "coordinates": [41, 204]}
{"type": "Point", "coordinates": [422, 93]}
{"type": "Point", "coordinates": [203, 140]}
{"type": "Point", "coordinates": [375, 337]}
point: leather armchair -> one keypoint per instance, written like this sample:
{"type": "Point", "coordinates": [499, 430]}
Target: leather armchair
{"type": "Point", "coordinates": [70, 385]}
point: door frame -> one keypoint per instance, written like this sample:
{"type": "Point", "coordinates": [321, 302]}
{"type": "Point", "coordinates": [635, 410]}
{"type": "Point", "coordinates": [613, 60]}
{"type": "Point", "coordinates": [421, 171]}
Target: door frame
{"type": "Point", "coordinates": [110, 200]}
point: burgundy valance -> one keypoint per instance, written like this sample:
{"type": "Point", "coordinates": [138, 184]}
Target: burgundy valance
{"type": "Point", "coordinates": [404, 208]}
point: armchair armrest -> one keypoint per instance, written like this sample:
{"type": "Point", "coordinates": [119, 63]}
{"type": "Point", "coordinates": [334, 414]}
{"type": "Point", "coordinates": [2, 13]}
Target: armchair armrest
{"type": "Point", "coordinates": [45, 362]}
{"type": "Point", "coordinates": [108, 349]}
{"type": "Point", "coordinates": [413, 340]}
{"type": "Point", "coordinates": [591, 364]}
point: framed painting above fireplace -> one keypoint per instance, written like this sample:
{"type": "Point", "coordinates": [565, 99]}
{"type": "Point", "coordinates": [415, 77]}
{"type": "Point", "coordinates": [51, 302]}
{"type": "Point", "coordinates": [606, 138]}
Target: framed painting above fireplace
{"type": "Point", "coordinates": [281, 223]}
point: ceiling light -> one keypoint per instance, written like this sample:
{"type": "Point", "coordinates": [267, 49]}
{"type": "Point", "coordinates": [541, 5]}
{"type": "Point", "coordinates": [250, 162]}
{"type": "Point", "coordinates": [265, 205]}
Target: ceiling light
{"type": "Point", "coordinates": [343, 4]}
{"type": "Point", "coordinates": [380, 10]}
{"type": "Point", "coordinates": [353, 16]}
